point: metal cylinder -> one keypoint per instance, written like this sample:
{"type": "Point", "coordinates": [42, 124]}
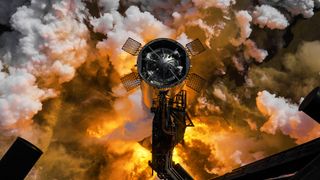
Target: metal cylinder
{"type": "Point", "coordinates": [18, 160]}
{"type": "Point", "coordinates": [163, 65]}
{"type": "Point", "coordinates": [311, 104]}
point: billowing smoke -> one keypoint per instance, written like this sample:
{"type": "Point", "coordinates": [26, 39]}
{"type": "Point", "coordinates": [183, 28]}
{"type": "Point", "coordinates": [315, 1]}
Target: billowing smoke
{"type": "Point", "coordinates": [141, 26]}
{"type": "Point", "coordinates": [221, 4]}
{"type": "Point", "coordinates": [21, 97]}
{"type": "Point", "coordinates": [47, 45]}
{"type": "Point", "coordinates": [243, 19]}
{"type": "Point", "coordinates": [285, 117]}
{"type": "Point", "coordinates": [268, 16]}
{"type": "Point", "coordinates": [296, 7]}
{"type": "Point", "coordinates": [61, 63]}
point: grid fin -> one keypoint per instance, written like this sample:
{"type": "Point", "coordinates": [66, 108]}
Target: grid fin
{"type": "Point", "coordinates": [195, 47]}
{"type": "Point", "coordinates": [131, 46]}
{"type": "Point", "coordinates": [195, 82]}
{"type": "Point", "coordinates": [130, 81]}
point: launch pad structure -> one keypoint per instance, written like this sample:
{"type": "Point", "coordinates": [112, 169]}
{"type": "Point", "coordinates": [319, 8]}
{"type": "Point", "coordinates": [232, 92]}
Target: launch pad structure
{"type": "Point", "coordinates": [163, 67]}
{"type": "Point", "coordinates": [169, 124]}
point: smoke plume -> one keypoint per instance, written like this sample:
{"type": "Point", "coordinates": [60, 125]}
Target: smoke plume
{"type": "Point", "coordinates": [61, 63]}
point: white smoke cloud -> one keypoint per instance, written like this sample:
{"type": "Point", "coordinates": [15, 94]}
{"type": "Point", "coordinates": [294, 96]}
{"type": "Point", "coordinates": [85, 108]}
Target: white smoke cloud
{"type": "Point", "coordinates": [56, 36]}
{"type": "Point", "coordinates": [161, 9]}
{"type": "Point", "coordinates": [251, 50]}
{"type": "Point", "coordinates": [138, 118]}
{"type": "Point", "coordinates": [243, 20]}
{"type": "Point", "coordinates": [20, 97]}
{"type": "Point", "coordinates": [48, 43]}
{"type": "Point", "coordinates": [286, 117]}
{"type": "Point", "coordinates": [221, 4]}
{"type": "Point", "coordinates": [65, 72]}
{"type": "Point", "coordinates": [183, 39]}
{"type": "Point", "coordinates": [267, 16]}
{"type": "Point", "coordinates": [295, 7]}
{"type": "Point", "coordinates": [141, 26]}
{"type": "Point", "coordinates": [103, 24]}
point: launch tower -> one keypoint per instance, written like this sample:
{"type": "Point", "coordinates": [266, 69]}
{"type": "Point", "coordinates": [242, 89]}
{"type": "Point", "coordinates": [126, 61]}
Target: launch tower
{"type": "Point", "coordinates": [163, 67]}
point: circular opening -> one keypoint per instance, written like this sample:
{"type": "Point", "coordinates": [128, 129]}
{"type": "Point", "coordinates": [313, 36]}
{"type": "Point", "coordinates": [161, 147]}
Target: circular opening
{"type": "Point", "coordinates": [163, 63]}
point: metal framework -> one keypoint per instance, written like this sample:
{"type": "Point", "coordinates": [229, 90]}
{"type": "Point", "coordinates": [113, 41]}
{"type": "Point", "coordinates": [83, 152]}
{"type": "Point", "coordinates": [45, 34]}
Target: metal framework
{"type": "Point", "coordinates": [131, 81]}
{"type": "Point", "coordinates": [169, 125]}
{"type": "Point", "coordinates": [195, 47]}
{"type": "Point", "coordinates": [131, 46]}
{"type": "Point", "coordinates": [195, 82]}
{"type": "Point", "coordinates": [163, 64]}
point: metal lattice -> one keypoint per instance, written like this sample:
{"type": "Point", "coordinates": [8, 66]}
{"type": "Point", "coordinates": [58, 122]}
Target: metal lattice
{"type": "Point", "coordinates": [130, 81]}
{"type": "Point", "coordinates": [195, 47]}
{"type": "Point", "coordinates": [195, 82]}
{"type": "Point", "coordinates": [131, 46]}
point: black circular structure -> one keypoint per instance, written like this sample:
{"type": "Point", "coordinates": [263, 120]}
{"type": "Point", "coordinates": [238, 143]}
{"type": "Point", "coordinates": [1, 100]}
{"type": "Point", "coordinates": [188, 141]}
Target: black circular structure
{"type": "Point", "coordinates": [163, 63]}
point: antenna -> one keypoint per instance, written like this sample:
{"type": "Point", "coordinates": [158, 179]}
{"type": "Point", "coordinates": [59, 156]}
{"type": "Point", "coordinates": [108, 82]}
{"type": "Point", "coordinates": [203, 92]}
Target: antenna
{"type": "Point", "coordinates": [195, 47]}
{"type": "Point", "coordinates": [195, 82]}
{"type": "Point", "coordinates": [130, 81]}
{"type": "Point", "coordinates": [131, 46]}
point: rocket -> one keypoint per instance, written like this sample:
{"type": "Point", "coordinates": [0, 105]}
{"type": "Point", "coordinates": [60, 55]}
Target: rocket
{"type": "Point", "coordinates": [162, 71]}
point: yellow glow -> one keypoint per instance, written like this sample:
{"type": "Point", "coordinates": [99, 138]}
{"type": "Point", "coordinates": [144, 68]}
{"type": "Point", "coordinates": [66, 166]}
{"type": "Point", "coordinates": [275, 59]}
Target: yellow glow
{"type": "Point", "coordinates": [138, 163]}
{"type": "Point", "coordinates": [100, 130]}
{"type": "Point", "coordinates": [175, 156]}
